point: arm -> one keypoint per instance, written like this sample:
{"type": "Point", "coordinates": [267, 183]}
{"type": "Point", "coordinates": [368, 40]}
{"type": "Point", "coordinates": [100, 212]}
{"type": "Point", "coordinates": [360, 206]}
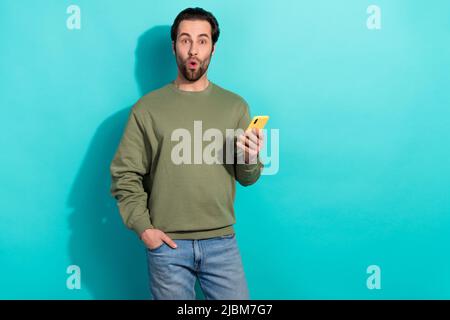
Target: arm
{"type": "Point", "coordinates": [247, 173]}
{"type": "Point", "coordinates": [128, 167]}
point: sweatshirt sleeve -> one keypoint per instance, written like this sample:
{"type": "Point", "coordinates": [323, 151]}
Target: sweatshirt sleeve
{"type": "Point", "coordinates": [128, 167]}
{"type": "Point", "coordinates": [247, 174]}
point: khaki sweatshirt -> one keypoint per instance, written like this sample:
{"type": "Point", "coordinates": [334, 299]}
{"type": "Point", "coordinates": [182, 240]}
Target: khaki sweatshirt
{"type": "Point", "coordinates": [160, 176]}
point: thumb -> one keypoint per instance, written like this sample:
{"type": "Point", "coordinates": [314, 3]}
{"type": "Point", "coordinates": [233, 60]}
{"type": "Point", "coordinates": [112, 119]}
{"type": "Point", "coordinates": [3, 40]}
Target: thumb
{"type": "Point", "coordinates": [169, 241]}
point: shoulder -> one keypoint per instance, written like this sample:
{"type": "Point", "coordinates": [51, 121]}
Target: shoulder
{"type": "Point", "coordinates": [229, 95]}
{"type": "Point", "coordinates": [234, 99]}
{"type": "Point", "coordinates": [151, 100]}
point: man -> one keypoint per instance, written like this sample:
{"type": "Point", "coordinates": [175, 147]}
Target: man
{"type": "Point", "coordinates": [183, 212]}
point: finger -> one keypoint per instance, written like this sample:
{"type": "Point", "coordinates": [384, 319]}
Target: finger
{"type": "Point", "coordinates": [247, 149]}
{"type": "Point", "coordinates": [240, 146]}
{"type": "Point", "coordinates": [242, 138]}
{"type": "Point", "coordinates": [153, 247]}
{"type": "Point", "coordinates": [252, 150]}
{"type": "Point", "coordinates": [169, 241]}
{"type": "Point", "coordinates": [257, 131]}
{"type": "Point", "coordinates": [261, 135]}
{"type": "Point", "coordinates": [252, 137]}
{"type": "Point", "coordinates": [260, 138]}
{"type": "Point", "coordinates": [259, 143]}
{"type": "Point", "coordinates": [251, 144]}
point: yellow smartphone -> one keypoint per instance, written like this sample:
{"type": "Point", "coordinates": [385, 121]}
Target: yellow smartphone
{"type": "Point", "coordinates": [258, 122]}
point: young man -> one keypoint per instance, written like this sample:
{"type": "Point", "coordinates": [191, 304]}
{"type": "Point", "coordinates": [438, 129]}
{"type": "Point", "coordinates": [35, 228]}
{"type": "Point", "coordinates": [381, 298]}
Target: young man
{"type": "Point", "coordinates": [183, 211]}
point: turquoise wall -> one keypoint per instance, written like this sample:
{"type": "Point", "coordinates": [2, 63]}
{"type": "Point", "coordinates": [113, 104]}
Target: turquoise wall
{"type": "Point", "coordinates": [364, 123]}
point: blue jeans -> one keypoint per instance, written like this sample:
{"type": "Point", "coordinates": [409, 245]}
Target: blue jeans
{"type": "Point", "coordinates": [215, 262]}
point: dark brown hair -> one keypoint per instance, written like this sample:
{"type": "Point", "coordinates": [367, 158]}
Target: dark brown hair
{"type": "Point", "coordinates": [196, 14]}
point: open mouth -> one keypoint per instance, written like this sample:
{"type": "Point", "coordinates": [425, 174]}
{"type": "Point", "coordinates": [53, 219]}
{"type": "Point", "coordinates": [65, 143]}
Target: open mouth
{"type": "Point", "coordinates": [192, 64]}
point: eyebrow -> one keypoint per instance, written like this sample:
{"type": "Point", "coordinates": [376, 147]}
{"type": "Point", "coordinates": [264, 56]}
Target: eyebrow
{"type": "Point", "coordinates": [200, 35]}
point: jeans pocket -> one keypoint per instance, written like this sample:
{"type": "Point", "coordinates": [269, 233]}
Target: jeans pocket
{"type": "Point", "coordinates": [157, 248]}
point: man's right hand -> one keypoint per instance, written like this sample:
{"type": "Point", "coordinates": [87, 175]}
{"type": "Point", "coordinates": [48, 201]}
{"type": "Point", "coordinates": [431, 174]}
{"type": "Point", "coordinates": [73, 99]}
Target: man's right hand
{"type": "Point", "coordinates": [153, 238]}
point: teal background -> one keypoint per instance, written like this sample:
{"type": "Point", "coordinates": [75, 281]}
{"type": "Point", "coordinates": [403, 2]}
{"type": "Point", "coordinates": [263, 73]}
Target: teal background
{"type": "Point", "coordinates": [364, 129]}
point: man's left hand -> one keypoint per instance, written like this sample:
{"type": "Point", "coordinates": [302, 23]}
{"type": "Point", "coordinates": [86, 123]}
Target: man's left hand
{"type": "Point", "coordinates": [251, 142]}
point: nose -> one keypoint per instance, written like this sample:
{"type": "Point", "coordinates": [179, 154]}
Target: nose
{"type": "Point", "coordinates": [193, 50]}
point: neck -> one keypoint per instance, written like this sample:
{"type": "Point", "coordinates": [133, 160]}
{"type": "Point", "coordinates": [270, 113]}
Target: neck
{"type": "Point", "coordinates": [185, 85]}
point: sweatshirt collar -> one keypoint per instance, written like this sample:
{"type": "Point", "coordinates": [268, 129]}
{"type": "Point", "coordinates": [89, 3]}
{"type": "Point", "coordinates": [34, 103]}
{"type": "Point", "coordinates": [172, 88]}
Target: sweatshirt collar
{"type": "Point", "coordinates": [203, 92]}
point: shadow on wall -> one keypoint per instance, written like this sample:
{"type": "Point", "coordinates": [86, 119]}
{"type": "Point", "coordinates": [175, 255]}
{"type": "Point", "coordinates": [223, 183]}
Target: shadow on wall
{"type": "Point", "coordinates": [111, 257]}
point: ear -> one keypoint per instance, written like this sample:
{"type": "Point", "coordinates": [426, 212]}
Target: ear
{"type": "Point", "coordinates": [173, 48]}
{"type": "Point", "coordinates": [213, 49]}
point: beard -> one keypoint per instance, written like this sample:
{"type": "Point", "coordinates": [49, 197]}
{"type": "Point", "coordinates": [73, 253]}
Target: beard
{"type": "Point", "coordinates": [193, 75]}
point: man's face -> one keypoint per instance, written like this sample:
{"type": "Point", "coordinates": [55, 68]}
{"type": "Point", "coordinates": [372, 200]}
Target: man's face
{"type": "Point", "coordinates": [193, 48]}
